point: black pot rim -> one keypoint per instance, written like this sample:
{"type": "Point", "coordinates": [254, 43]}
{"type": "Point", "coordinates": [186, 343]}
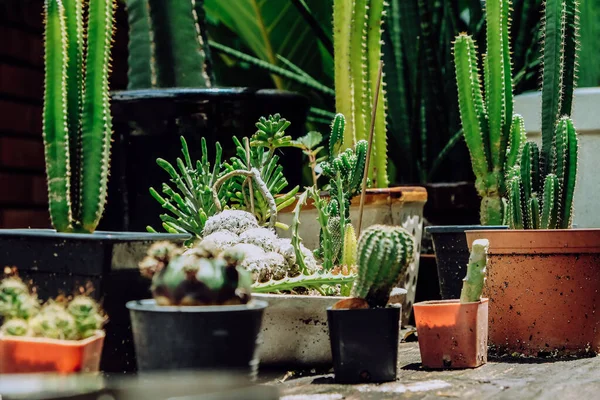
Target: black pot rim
{"type": "Point", "coordinates": [95, 236]}
{"type": "Point", "coordinates": [365, 310]}
{"type": "Point", "coordinates": [198, 93]}
{"type": "Point", "coordinates": [462, 228]}
{"type": "Point", "coordinates": [150, 306]}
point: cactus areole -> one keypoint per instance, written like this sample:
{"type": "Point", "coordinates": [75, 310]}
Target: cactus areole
{"type": "Point", "coordinates": [77, 123]}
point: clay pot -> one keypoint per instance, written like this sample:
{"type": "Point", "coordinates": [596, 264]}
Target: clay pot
{"type": "Point", "coordinates": [32, 355]}
{"type": "Point", "coordinates": [451, 334]}
{"type": "Point", "coordinates": [543, 291]}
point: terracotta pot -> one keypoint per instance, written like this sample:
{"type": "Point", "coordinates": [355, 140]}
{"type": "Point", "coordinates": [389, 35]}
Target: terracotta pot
{"type": "Point", "coordinates": [33, 355]}
{"type": "Point", "coordinates": [543, 291]}
{"type": "Point", "coordinates": [402, 205]}
{"type": "Point", "coordinates": [451, 334]}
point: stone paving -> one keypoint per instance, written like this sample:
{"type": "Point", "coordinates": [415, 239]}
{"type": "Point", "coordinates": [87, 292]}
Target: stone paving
{"type": "Point", "coordinates": [498, 379]}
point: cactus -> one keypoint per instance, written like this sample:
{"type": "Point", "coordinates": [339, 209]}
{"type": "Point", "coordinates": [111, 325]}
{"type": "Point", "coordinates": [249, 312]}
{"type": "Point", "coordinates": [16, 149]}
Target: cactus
{"type": "Point", "coordinates": [77, 123]}
{"type": "Point", "coordinates": [198, 276]}
{"type": "Point", "coordinates": [487, 117]}
{"type": "Point", "coordinates": [384, 253]}
{"type": "Point", "coordinates": [543, 183]}
{"type": "Point", "coordinates": [357, 38]}
{"type": "Point", "coordinates": [476, 270]}
{"type": "Point", "coordinates": [308, 281]}
{"type": "Point", "coordinates": [168, 44]}
{"type": "Point", "coordinates": [16, 300]}
{"type": "Point", "coordinates": [350, 246]}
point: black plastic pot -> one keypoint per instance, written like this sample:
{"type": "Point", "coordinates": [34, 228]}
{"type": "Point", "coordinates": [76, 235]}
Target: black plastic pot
{"type": "Point", "coordinates": [148, 125]}
{"type": "Point", "coordinates": [197, 338]}
{"type": "Point", "coordinates": [364, 344]}
{"type": "Point", "coordinates": [452, 256]}
{"type": "Point", "coordinates": [62, 262]}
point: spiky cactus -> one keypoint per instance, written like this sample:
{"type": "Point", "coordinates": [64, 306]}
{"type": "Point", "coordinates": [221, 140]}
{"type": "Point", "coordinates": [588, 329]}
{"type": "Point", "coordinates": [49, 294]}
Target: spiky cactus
{"type": "Point", "coordinates": [198, 276]}
{"type": "Point", "coordinates": [168, 46]}
{"type": "Point", "coordinates": [16, 300]}
{"type": "Point", "coordinates": [542, 187]}
{"type": "Point", "coordinates": [384, 253]}
{"type": "Point", "coordinates": [357, 40]}
{"type": "Point", "coordinates": [77, 124]}
{"type": "Point", "coordinates": [486, 115]}
{"type": "Point", "coordinates": [476, 270]}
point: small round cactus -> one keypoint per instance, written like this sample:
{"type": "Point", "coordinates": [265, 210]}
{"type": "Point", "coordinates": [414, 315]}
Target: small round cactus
{"type": "Point", "coordinates": [16, 301]}
{"type": "Point", "coordinates": [54, 322]}
{"type": "Point", "coordinates": [15, 327]}
{"type": "Point", "coordinates": [384, 253]}
{"type": "Point", "coordinates": [87, 316]}
{"type": "Point", "coordinates": [201, 277]}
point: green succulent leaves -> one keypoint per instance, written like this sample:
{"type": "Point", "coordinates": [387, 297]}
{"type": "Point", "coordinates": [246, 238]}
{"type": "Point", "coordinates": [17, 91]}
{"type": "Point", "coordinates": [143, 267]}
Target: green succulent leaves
{"type": "Point", "coordinates": [77, 124]}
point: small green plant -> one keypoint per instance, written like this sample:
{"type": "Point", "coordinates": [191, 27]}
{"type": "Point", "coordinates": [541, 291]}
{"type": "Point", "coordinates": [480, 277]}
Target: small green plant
{"type": "Point", "coordinates": [190, 199]}
{"type": "Point", "coordinates": [77, 123]}
{"type": "Point", "coordinates": [487, 115]}
{"type": "Point", "coordinates": [196, 277]}
{"type": "Point", "coordinates": [476, 270]}
{"type": "Point", "coordinates": [62, 318]}
{"type": "Point", "coordinates": [542, 185]}
{"type": "Point", "coordinates": [168, 44]}
{"type": "Point", "coordinates": [384, 253]}
{"type": "Point", "coordinates": [357, 41]}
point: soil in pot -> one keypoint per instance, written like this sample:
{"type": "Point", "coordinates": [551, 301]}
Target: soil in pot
{"type": "Point", "coordinates": [364, 344]}
{"type": "Point", "coordinates": [197, 337]}
{"type": "Point", "coordinates": [543, 291]}
{"type": "Point", "coordinates": [35, 355]}
{"type": "Point", "coordinates": [452, 334]}
{"type": "Point", "coordinates": [452, 256]}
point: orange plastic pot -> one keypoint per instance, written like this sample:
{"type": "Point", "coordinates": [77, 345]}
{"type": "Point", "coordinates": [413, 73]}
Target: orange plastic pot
{"type": "Point", "coordinates": [543, 287]}
{"type": "Point", "coordinates": [32, 355]}
{"type": "Point", "coordinates": [451, 334]}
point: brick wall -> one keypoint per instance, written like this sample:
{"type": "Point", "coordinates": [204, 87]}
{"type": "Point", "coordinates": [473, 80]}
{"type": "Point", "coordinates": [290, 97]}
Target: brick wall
{"type": "Point", "coordinates": [23, 196]}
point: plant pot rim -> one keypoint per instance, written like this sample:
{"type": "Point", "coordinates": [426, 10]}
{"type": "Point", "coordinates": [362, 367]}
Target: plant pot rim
{"type": "Point", "coordinates": [112, 236]}
{"type": "Point", "coordinates": [150, 306]}
{"type": "Point", "coordinates": [195, 94]}
{"type": "Point", "coordinates": [375, 196]}
{"type": "Point", "coordinates": [539, 241]}
{"type": "Point", "coordinates": [387, 308]}
{"type": "Point", "coordinates": [461, 228]}
{"type": "Point", "coordinates": [60, 342]}
{"type": "Point", "coordinates": [448, 302]}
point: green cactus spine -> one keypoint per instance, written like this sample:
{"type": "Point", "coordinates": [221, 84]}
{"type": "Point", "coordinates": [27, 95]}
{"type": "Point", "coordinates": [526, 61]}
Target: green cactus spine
{"type": "Point", "coordinates": [357, 27]}
{"type": "Point", "coordinates": [476, 270]}
{"type": "Point", "coordinates": [487, 124]}
{"type": "Point", "coordinates": [77, 124]}
{"type": "Point", "coordinates": [168, 45]}
{"type": "Point", "coordinates": [384, 253]}
{"type": "Point", "coordinates": [544, 192]}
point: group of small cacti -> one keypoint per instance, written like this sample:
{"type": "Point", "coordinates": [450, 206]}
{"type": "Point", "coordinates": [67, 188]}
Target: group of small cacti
{"type": "Point", "coordinates": [62, 318]}
{"type": "Point", "coordinates": [521, 187]}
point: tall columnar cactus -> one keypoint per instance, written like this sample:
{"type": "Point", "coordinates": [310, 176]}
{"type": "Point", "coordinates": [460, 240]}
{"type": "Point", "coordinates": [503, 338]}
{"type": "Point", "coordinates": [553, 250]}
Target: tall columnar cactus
{"type": "Point", "coordinates": [542, 187]}
{"type": "Point", "coordinates": [384, 253]}
{"type": "Point", "coordinates": [357, 37]}
{"type": "Point", "coordinates": [487, 118]}
{"type": "Point", "coordinates": [77, 122]}
{"type": "Point", "coordinates": [476, 270]}
{"type": "Point", "coordinates": [168, 44]}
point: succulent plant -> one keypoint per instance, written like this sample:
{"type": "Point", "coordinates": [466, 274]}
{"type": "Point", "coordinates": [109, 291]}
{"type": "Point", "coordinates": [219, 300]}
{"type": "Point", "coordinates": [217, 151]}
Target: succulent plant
{"type": "Point", "coordinates": [384, 253]}
{"type": "Point", "coordinates": [54, 322]}
{"type": "Point", "coordinates": [16, 300]}
{"type": "Point", "coordinates": [198, 276]}
{"type": "Point", "coordinates": [77, 123]}
{"type": "Point", "coordinates": [357, 40]}
{"type": "Point", "coordinates": [476, 271]}
{"type": "Point", "coordinates": [542, 185]}
{"type": "Point", "coordinates": [168, 46]}
{"type": "Point", "coordinates": [15, 327]}
{"type": "Point", "coordinates": [487, 115]}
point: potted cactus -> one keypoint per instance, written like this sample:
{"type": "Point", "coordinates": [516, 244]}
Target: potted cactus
{"type": "Point", "coordinates": [454, 333]}
{"type": "Point", "coordinates": [363, 329]}
{"type": "Point", "coordinates": [487, 126]}
{"type": "Point", "coordinates": [542, 280]}
{"type": "Point", "coordinates": [172, 91]}
{"type": "Point", "coordinates": [77, 132]}
{"type": "Point", "coordinates": [204, 296]}
{"type": "Point", "coordinates": [63, 335]}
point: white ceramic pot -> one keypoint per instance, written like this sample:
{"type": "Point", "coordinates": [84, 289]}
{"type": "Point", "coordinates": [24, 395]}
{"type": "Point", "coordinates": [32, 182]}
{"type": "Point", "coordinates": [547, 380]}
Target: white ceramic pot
{"type": "Point", "coordinates": [294, 329]}
{"type": "Point", "coordinates": [586, 118]}
{"type": "Point", "coordinates": [402, 205]}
